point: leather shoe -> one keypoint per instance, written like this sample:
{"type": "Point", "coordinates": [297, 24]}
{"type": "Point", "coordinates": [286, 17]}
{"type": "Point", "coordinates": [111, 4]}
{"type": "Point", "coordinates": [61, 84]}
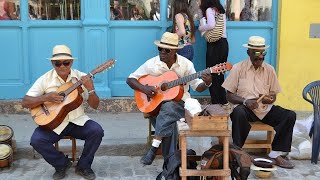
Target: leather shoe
{"type": "Point", "coordinates": [61, 172]}
{"type": "Point", "coordinates": [86, 173]}
{"type": "Point", "coordinates": [283, 162]}
{"type": "Point", "coordinates": [149, 157]}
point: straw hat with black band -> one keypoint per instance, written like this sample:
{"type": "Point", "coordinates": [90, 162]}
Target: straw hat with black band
{"type": "Point", "coordinates": [256, 42]}
{"type": "Point", "coordinates": [169, 41]}
{"type": "Point", "coordinates": [61, 52]}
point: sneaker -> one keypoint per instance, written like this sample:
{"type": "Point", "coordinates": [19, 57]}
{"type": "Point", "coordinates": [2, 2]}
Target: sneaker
{"type": "Point", "coordinates": [61, 172]}
{"type": "Point", "coordinates": [86, 173]}
{"type": "Point", "coordinates": [149, 157]}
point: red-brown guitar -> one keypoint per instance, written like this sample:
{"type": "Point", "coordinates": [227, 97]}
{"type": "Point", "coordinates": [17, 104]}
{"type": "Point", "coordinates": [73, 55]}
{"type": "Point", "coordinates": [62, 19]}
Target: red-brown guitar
{"type": "Point", "coordinates": [50, 115]}
{"type": "Point", "coordinates": [174, 85]}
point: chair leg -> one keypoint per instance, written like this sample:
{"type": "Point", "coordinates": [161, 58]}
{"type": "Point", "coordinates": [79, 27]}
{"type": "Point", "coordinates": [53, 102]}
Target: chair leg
{"type": "Point", "coordinates": [269, 140]}
{"type": "Point", "coordinates": [149, 139]}
{"type": "Point", "coordinates": [74, 149]}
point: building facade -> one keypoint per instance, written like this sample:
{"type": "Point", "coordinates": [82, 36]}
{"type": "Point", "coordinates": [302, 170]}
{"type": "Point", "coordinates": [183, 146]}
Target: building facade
{"type": "Point", "coordinates": [107, 29]}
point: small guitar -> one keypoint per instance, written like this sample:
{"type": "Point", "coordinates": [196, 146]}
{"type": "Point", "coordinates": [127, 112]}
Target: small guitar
{"type": "Point", "coordinates": [50, 115]}
{"type": "Point", "coordinates": [173, 84]}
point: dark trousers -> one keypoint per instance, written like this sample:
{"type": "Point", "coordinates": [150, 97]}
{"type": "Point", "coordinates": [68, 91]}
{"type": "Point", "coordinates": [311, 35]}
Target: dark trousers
{"type": "Point", "coordinates": [166, 127]}
{"type": "Point", "coordinates": [92, 133]}
{"type": "Point", "coordinates": [217, 52]}
{"type": "Point", "coordinates": [282, 120]}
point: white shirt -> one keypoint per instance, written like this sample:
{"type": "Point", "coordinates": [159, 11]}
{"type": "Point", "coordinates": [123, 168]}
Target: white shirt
{"type": "Point", "coordinates": [50, 82]}
{"type": "Point", "coordinates": [182, 67]}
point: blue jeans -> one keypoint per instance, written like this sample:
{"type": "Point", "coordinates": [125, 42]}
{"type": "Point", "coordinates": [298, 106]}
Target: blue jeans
{"type": "Point", "coordinates": [187, 52]}
{"type": "Point", "coordinates": [92, 133]}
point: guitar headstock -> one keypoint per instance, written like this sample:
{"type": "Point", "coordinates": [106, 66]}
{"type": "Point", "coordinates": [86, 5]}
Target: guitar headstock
{"type": "Point", "coordinates": [221, 68]}
{"type": "Point", "coordinates": [102, 67]}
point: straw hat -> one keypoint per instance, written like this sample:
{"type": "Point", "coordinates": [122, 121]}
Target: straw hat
{"type": "Point", "coordinates": [263, 172]}
{"type": "Point", "coordinates": [169, 41]}
{"type": "Point", "coordinates": [256, 42]}
{"type": "Point", "coordinates": [61, 52]}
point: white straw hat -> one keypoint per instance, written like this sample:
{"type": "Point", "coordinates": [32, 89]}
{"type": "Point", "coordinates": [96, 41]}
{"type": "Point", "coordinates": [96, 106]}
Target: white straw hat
{"type": "Point", "coordinates": [256, 42]}
{"type": "Point", "coordinates": [61, 52]}
{"type": "Point", "coordinates": [169, 41]}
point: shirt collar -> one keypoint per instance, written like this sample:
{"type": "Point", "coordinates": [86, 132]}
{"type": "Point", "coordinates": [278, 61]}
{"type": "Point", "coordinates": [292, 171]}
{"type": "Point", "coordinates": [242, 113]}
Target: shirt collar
{"type": "Point", "coordinates": [250, 65]}
{"type": "Point", "coordinates": [70, 76]}
{"type": "Point", "coordinates": [160, 63]}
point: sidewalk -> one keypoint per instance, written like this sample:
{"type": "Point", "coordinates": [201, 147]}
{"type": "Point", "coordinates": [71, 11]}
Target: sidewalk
{"type": "Point", "coordinates": [119, 154]}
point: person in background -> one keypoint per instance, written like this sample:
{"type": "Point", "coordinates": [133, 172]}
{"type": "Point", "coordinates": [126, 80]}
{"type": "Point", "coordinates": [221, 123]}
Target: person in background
{"type": "Point", "coordinates": [155, 10]}
{"type": "Point", "coordinates": [76, 124]}
{"type": "Point", "coordinates": [217, 52]}
{"type": "Point", "coordinates": [7, 10]}
{"type": "Point", "coordinates": [252, 86]}
{"type": "Point", "coordinates": [135, 14]}
{"type": "Point", "coordinates": [184, 27]}
{"type": "Point", "coordinates": [117, 12]}
{"type": "Point", "coordinates": [171, 110]}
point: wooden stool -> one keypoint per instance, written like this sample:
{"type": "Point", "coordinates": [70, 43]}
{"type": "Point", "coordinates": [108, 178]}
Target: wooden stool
{"type": "Point", "coordinates": [260, 144]}
{"type": "Point", "coordinates": [74, 147]}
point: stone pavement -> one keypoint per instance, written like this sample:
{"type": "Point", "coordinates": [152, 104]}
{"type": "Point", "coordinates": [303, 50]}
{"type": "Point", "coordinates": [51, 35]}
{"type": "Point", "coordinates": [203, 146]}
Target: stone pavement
{"type": "Point", "coordinates": [119, 154]}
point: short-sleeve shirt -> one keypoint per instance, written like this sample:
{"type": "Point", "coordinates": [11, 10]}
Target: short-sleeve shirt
{"type": "Point", "coordinates": [248, 83]}
{"type": "Point", "coordinates": [50, 82]}
{"type": "Point", "coordinates": [182, 67]}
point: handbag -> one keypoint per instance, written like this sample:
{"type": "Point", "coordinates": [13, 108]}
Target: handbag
{"type": "Point", "coordinates": [215, 34]}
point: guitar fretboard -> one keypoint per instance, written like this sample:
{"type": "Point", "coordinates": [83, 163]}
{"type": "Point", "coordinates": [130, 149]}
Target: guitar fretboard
{"type": "Point", "coordinates": [76, 85]}
{"type": "Point", "coordinates": [188, 78]}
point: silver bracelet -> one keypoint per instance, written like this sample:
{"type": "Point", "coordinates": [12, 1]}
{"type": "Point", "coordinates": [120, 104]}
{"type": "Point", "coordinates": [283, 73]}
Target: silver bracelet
{"type": "Point", "coordinates": [92, 91]}
{"type": "Point", "coordinates": [208, 85]}
{"type": "Point", "coordinates": [244, 102]}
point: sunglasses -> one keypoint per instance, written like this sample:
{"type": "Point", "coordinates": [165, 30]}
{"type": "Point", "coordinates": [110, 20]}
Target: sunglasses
{"type": "Point", "coordinates": [258, 53]}
{"type": "Point", "coordinates": [167, 50]}
{"type": "Point", "coordinates": [59, 63]}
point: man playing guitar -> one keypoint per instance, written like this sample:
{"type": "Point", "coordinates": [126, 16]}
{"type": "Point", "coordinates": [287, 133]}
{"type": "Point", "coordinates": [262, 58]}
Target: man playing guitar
{"type": "Point", "coordinates": [76, 124]}
{"type": "Point", "coordinates": [169, 111]}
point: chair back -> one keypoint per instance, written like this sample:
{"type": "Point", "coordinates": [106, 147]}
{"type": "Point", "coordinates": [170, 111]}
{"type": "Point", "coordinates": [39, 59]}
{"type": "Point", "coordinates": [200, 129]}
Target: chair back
{"type": "Point", "coordinates": [313, 90]}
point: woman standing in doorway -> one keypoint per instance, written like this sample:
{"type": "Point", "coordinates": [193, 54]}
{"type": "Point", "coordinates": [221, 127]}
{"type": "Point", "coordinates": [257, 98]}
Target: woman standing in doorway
{"type": "Point", "coordinates": [217, 52]}
{"type": "Point", "coordinates": [184, 27]}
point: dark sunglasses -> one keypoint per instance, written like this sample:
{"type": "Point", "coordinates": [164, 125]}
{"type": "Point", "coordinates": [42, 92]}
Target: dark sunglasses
{"type": "Point", "coordinates": [167, 50]}
{"type": "Point", "coordinates": [59, 63]}
{"type": "Point", "coordinates": [258, 53]}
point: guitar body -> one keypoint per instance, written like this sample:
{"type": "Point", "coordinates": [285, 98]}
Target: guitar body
{"type": "Point", "coordinates": [50, 115]}
{"type": "Point", "coordinates": [151, 105]}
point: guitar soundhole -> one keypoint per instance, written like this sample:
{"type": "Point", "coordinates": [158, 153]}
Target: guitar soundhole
{"type": "Point", "coordinates": [164, 87]}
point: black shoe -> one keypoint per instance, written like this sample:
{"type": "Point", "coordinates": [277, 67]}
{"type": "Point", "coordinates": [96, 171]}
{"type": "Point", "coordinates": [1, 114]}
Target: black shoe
{"type": "Point", "coordinates": [61, 172]}
{"type": "Point", "coordinates": [86, 173]}
{"type": "Point", "coordinates": [149, 157]}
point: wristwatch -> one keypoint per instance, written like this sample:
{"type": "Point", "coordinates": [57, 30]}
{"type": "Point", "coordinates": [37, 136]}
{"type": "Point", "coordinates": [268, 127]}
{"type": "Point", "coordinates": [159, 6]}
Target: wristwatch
{"type": "Point", "coordinates": [244, 102]}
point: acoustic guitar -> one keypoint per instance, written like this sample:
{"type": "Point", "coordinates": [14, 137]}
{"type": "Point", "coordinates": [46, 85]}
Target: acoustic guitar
{"type": "Point", "coordinates": [169, 87]}
{"type": "Point", "coordinates": [50, 115]}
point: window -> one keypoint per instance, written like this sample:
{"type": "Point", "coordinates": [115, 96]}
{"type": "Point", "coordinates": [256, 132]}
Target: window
{"type": "Point", "coordinates": [54, 9]}
{"type": "Point", "coordinates": [248, 10]}
{"type": "Point", "coordinates": [135, 10]}
{"type": "Point", "coordinates": [9, 9]}
{"type": "Point", "coordinates": [193, 9]}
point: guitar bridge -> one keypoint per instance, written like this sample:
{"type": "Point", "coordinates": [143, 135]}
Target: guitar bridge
{"type": "Point", "coordinates": [45, 109]}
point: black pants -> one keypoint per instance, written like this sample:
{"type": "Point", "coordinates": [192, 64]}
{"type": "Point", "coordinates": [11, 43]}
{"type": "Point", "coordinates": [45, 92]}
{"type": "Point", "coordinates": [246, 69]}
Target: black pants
{"type": "Point", "coordinates": [217, 52]}
{"type": "Point", "coordinates": [282, 120]}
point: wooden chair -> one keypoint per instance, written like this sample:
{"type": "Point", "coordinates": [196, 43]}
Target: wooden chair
{"type": "Point", "coordinates": [260, 144]}
{"type": "Point", "coordinates": [73, 149]}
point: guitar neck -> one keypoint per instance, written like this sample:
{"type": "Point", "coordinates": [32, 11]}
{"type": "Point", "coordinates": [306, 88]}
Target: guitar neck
{"type": "Point", "coordinates": [188, 78]}
{"type": "Point", "coordinates": [76, 85]}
